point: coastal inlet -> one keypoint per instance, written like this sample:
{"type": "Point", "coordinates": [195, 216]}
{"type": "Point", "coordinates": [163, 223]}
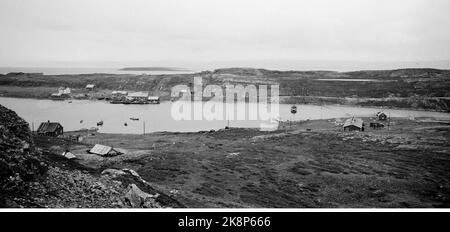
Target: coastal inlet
{"type": "Point", "coordinates": [84, 114]}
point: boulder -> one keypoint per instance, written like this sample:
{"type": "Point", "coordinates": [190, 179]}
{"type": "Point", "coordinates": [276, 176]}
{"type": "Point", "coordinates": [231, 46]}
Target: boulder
{"type": "Point", "coordinates": [97, 188]}
{"type": "Point", "coordinates": [136, 198]}
{"type": "Point", "coordinates": [113, 173]}
{"type": "Point", "coordinates": [131, 171]}
{"type": "Point", "coordinates": [68, 155]}
{"type": "Point", "coordinates": [134, 174]}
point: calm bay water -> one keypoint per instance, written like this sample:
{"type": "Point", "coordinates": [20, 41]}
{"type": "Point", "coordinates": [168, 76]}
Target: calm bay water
{"type": "Point", "coordinates": [158, 117]}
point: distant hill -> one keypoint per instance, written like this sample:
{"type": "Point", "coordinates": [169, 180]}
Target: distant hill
{"type": "Point", "coordinates": [401, 88]}
{"type": "Point", "coordinates": [152, 69]}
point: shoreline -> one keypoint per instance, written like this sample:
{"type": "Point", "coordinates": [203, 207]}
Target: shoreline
{"type": "Point", "coordinates": [164, 99]}
{"type": "Point", "coordinates": [282, 128]}
{"type": "Point", "coordinates": [415, 89]}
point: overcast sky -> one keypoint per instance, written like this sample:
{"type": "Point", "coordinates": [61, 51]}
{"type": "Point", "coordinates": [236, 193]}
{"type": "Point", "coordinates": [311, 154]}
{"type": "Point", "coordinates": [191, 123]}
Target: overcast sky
{"type": "Point", "coordinates": [135, 32]}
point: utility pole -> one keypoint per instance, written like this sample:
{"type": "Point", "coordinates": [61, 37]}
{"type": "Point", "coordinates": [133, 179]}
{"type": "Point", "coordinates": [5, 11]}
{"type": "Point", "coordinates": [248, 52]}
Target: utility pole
{"type": "Point", "coordinates": [144, 127]}
{"type": "Point", "coordinates": [321, 111]}
{"type": "Point", "coordinates": [389, 121]}
{"type": "Point", "coordinates": [293, 112]}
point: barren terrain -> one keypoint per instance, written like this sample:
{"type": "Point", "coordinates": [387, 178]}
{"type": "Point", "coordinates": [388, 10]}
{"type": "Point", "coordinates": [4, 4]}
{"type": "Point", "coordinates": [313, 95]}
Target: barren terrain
{"type": "Point", "coordinates": [311, 164]}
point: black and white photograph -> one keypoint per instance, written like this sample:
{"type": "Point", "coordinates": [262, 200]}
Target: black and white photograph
{"type": "Point", "coordinates": [211, 105]}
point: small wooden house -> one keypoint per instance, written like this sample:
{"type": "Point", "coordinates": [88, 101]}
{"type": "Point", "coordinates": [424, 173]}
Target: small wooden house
{"type": "Point", "coordinates": [90, 87]}
{"type": "Point", "coordinates": [64, 91]}
{"type": "Point", "coordinates": [53, 129]}
{"type": "Point", "coordinates": [354, 124]}
{"type": "Point", "coordinates": [381, 116]}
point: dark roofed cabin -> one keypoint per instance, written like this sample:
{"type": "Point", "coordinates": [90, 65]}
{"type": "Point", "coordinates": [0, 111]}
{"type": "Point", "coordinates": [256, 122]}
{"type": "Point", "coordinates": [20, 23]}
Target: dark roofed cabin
{"type": "Point", "coordinates": [354, 124]}
{"type": "Point", "coordinates": [381, 116]}
{"type": "Point", "coordinates": [53, 129]}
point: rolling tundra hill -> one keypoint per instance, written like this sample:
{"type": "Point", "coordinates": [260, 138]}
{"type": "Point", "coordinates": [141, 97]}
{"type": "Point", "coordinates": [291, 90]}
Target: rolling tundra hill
{"type": "Point", "coordinates": [404, 88]}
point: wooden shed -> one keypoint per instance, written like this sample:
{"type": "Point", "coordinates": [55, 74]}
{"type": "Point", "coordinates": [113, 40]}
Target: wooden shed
{"type": "Point", "coordinates": [354, 124]}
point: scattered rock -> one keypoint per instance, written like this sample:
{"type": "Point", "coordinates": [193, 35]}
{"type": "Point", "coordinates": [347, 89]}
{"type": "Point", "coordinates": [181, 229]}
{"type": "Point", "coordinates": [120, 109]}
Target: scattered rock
{"type": "Point", "coordinates": [233, 154]}
{"type": "Point", "coordinates": [112, 173]}
{"type": "Point", "coordinates": [68, 155]}
{"type": "Point", "coordinates": [132, 172]}
{"type": "Point", "coordinates": [136, 198]}
{"type": "Point", "coordinates": [97, 186]}
{"type": "Point", "coordinates": [174, 191]}
{"type": "Point", "coordinates": [406, 147]}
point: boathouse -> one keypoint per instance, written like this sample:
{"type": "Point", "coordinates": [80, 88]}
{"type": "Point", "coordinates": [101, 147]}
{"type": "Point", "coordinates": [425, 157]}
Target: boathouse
{"type": "Point", "coordinates": [138, 97]}
{"type": "Point", "coordinates": [153, 100]}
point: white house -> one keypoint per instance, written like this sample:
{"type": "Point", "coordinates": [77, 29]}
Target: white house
{"type": "Point", "coordinates": [90, 87]}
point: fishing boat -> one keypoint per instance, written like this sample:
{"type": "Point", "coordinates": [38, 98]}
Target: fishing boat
{"type": "Point", "coordinates": [100, 123]}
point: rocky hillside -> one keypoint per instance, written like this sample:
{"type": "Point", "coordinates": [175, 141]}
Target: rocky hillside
{"type": "Point", "coordinates": [20, 163]}
{"type": "Point", "coordinates": [38, 178]}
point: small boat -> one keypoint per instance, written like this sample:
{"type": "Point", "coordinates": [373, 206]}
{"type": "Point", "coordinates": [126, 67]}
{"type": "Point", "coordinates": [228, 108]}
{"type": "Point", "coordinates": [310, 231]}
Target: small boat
{"type": "Point", "coordinates": [100, 123]}
{"type": "Point", "coordinates": [134, 119]}
{"type": "Point", "coordinates": [125, 124]}
{"type": "Point", "coordinates": [81, 121]}
{"type": "Point", "coordinates": [116, 102]}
